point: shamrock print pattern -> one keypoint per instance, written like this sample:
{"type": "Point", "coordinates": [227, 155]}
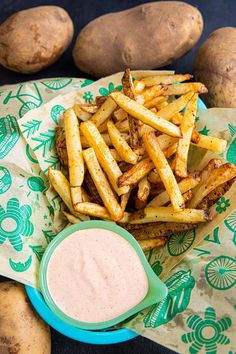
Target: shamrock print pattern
{"type": "Point", "coordinates": [207, 332]}
{"type": "Point", "coordinates": [222, 205]}
{"type": "Point", "coordinates": [15, 223]}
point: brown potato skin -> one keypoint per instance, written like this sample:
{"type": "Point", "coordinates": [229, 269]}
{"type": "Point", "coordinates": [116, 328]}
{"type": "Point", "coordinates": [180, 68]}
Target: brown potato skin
{"type": "Point", "coordinates": [148, 36]}
{"type": "Point", "coordinates": [21, 330]}
{"type": "Point", "coordinates": [215, 66]}
{"type": "Point", "coordinates": [33, 39]}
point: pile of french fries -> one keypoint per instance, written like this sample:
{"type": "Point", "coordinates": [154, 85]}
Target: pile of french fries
{"type": "Point", "coordinates": [127, 159]}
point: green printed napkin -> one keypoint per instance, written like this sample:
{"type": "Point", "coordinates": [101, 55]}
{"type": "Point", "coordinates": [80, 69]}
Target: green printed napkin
{"type": "Point", "coordinates": [199, 267]}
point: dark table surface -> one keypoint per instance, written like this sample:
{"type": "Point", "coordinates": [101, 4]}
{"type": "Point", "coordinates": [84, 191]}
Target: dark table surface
{"type": "Point", "coordinates": [216, 13]}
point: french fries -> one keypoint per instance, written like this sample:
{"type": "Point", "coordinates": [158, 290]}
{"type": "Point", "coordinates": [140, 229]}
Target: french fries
{"type": "Point", "coordinates": [128, 90]}
{"type": "Point", "coordinates": [163, 229]}
{"type": "Point", "coordinates": [164, 170]}
{"type": "Point", "coordinates": [164, 79]}
{"type": "Point", "coordinates": [168, 214]}
{"type": "Point", "coordinates": [184, 186]}
{"type": "Point", "coordinates": [93, 209]}
{"type": "Point", "coordinates": [144, 188]}
{"type": "Point", "coordinates": [103, 154]}
{"type": "Point", "coordinates": [62, 187]}
{"type": "Point", "coordinates": [104, 112]}
{"type": "Point", "coordinates": [75, 158]}
{"type": "Point", "coordinates": [102, 184]}
{"type": "Point", "coordinates": [181, 89]}
{"type": "Point", "coordinates": [217, 177]}
{"type": "Point", "coordinates": [135, 168]}
{"type": "Point", "coordinates": [121, 146]}
{"type": "Point", "coordinates": [146, 116]}
{"type": "Point", "coordinates": [187, 126]}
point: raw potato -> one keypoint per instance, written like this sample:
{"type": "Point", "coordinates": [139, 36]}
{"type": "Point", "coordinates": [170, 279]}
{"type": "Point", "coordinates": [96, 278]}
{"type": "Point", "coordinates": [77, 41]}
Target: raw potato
{"type": "Point", "coordinates": [21, 330]}
{"type": "Point", "coordinates": [33, 39]}
{"type": "Point", "coordinates": [147, 36]}
{"type": "Point", "coordinates": [215, 67]}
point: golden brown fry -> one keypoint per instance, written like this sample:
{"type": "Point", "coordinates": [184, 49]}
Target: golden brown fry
{"type": "Point", "coordinates": [89, 107]}
{"type": "Point", "coordinates": [154, 176]}
{"type": "Point", "coordinates": [185, 185]}
{"type": "Point", "coordinates": [75, 157]}
{"type": "Point", "coordinates": [209, 142]}
{"type": "Point", "coordinates": [181, 89]}
{"type": "Point", "coordinates": [81, 114]}
{"type": "Point", "coordinates": [138, 86]}
{"type": "Point", "coordinates": [165, 79]}
{"type": "Point", "coordinates": [93, 209]}
{"type": "Point", "coordinates": [145, 115]}
{"type": "Point", "coordinates": [171, 150]}
{"type": "Point", "coordinates": [102, 184]}
{"type": "Point", "coordinates": [84, 195]}
{"type": "Point", "coordinates": [168, 214]}
{"type": "Point", "coordinates": [136, 173]}
{"type": "Point", "coordinates": [218, 176]}
{"type": "Point", "coordinates": [139, 204]}
{"type": "Point", "coordinates": [148, 245]}
{"type": "Point", "coordinates": [124, 200]}
{"type": "Point", "coordinates": [152, 92]}
{"type": "Point", "coordinates": [186, 127]}
{"type": "Point", "coordinates": [121, 146]}
{"type": "Point", "coordinates": [105, 136]}
{"type": "Point", "coordinates": [155, 101]}
{"type": "Point", "coordinates": [62, 187]}
{"type": "Point", "coordinates": [103, 127]}
{"type": "Point", "coordinates": [71, 218]}
{"type": "Point", "coordinates": [60, 142]}
{"type": "Point", "coordinates": [216, 194]}
{"type": "Point", "coordinates": [104, 155]}
{"type": "Point", "coordinates": [100, 100]}
{"type": "Point", "coordinates": [156, 230]}
{"type": "Point", "coordinates": [161, 105]}
{"type": "Point", "coordinates": [104, 112]}
{"type": "Point", "coordinates": [187, 196]}
{"type": "Point", "coordinates": [175, 107]}
{"type": "Point", "coordinates": [128, 90]}
{"type": "Point", "coordinates": [164, 170]}
{"type": "Point", "coordinates": [144, 188]}
{"type": "Point", "coordinates": [115, 155]}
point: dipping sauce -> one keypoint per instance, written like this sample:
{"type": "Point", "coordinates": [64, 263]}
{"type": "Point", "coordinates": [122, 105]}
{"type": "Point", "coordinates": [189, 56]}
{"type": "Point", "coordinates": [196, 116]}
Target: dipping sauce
{"type": "Point", "coordinates": [95, 275]}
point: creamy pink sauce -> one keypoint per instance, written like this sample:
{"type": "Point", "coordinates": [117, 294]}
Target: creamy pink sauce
{"type": "Point", "coordinates": [95, 275]}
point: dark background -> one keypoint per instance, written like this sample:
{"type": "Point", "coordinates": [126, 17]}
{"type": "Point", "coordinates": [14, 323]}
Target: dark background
{"type": "Point", "coordinates": [216, 13]}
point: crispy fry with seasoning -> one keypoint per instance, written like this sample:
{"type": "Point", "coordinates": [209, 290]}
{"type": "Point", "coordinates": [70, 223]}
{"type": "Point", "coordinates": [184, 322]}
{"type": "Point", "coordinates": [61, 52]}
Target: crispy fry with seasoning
{"type": "Point", "coordinates": [165, 79]}
{"type": "Point", "coordinates": [149, 244]}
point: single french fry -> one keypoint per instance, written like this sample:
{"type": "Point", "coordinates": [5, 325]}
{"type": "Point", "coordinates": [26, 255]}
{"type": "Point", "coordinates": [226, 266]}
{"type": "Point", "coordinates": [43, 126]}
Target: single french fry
{"type": "Point", "coordinates": [121, 146]}
{"type": "Point", "coordinates": [138, 86]}
{"type": "Point", "coordinates": [144, 188]}
{"type": "Point", "coordinates": [175, 107]}
{"type": "Point", "coordinates": [165, 79]}
{"type": "Point", "coordinates": [124, 200]}
{"type": "Point", "coordinates": [62, 187]}
{"type": "Point", "coordinates": [93, 209]}
{"type": "Point", "coordinates": [128, 90]}
{"type": "Point", "coordinates": [102, 184]}
{"type": "Point", "coordinates": [136, 173]}
{"type": "Point", "coordinates": [123, 126]}
{"type": "Point", "coordinates": [181, 89]}
{"type": "Point", "coordinates": [168, 214]}
{"type": "Point", "coordinates": [161, 106]}
{"type": "Point", "coordinates": [71, 218]}
{"type": "Point", "coordinates": [89, 107]}
{"type": "Point", "coordinates": [155, 101]}
{"type": "Point", "coordinates": [171, 150]}
{"type": "Point", "coordinates": [81, 114]}
{"type": "Point", "coordinates": [209, 142]}
{"type": "Point", "coordinates": [84, 195]}
{"type": "Point", "coordinates": [94, 195]}
{"type": "Point", "coordinates": [120, 114]}
{"type": "Point", "coordinates": [104, 112]}
{"type": "Point", "coordinates": [75, 157]}
{"type": "Point", "coordinates": [155, 153]}
{"type": "Point", "coordinates": [105, 136]}
{"type": "Point", "coordinates": [185, 185]}
{"type": "Point", "coordinates": [155, 230]}
{"type": "Point", "coordinates": [149, 244]}
{"type": "Point", "coordinates": [104, 155]}
{"type": "Point", "coordinates": [154, 176]}
{"type": "Point", "coordinates": [145, 115]}
{"type": "Point", "coordinates": [125, 218]}
{"type": "Point", "coordinates": [218, 176]}
{"type": "Point", "coordinates": [103, 127]}
{"type": "Point", "coordinates": [186, 127]}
